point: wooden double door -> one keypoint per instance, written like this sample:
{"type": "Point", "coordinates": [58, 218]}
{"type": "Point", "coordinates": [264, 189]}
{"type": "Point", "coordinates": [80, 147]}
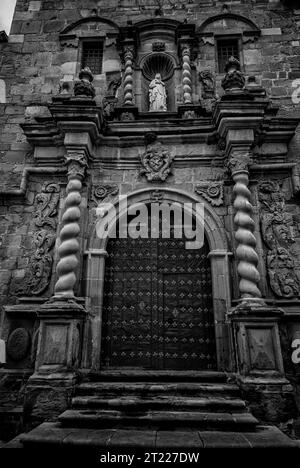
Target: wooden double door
{"type": "Point", "coordinates": [157, 309]}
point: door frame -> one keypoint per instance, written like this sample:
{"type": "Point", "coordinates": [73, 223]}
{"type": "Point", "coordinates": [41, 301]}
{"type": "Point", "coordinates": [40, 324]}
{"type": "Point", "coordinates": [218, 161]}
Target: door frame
{"type": "Point", "coordinates": [219, 257]}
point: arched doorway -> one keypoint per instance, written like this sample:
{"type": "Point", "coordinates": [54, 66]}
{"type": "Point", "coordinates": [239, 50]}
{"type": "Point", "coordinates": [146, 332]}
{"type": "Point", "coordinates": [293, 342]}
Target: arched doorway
{"type": "Point", "coordinates": [157, 305]}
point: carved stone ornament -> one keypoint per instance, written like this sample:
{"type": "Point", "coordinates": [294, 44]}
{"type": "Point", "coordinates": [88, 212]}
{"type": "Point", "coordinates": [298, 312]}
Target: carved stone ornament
{"type": "Point", "coordinates": [277, 233]}
{"type": "Point", "coordinates": [127, 116]}
{"type": "Point", "coordinates": [38, 272]}
{"type": "Point", "coordinates": [207, 81]}
{"type": "Point", "coordinates": [100, 192]}
{"type": "Point", "coordinates": [113, 85]}
{"type": "Point", "coordinates": [211, 191]}
{"type": "Point", "coordinates": [83, 86]}
{"type": "Point", "coordinates": [189, 114]}
{"type": "Point", "coordinates": [239, 161]}
{"type": "Point", "coordinates": [156, 196]}
{"type": "Point", "coordinates": [234, 78]}
{"type": "Point", "coordinates": [158, 46]}
{"type": "Point", "coordinates": [18, 344]}
{"type": "Point", "coordinates": [156, 162]}
{"type": "Point", "coordinates": [76, 162]}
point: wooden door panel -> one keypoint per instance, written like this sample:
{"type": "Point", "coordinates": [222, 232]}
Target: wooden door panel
{"type": "Point", "coordinates": [157, 310]}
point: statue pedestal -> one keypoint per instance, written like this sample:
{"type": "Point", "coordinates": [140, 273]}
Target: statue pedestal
{"type": "Point", "coordinates": [260, 369]}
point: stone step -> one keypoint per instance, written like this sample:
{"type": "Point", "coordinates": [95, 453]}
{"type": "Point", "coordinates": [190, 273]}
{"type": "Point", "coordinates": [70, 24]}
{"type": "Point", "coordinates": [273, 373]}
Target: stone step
{"type": "Point", "coordinates": [51, 435]}
{"type": "Point", "coordinates": [132, 375]}
{"type": "Point", "coordinates": [109, 418]}
{"type": "Point", "coordinates": [132, 403]}
{"type": "Point", "coordinates": [147, 389]}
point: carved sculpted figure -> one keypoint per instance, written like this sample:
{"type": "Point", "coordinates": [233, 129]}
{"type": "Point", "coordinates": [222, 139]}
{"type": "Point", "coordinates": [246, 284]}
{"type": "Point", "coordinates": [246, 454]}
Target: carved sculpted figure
{"type": "Point", "coordinates": [157, 95]}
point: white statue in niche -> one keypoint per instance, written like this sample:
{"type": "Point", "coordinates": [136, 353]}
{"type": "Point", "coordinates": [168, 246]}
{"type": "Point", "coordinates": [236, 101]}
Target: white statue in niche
{"type": "Point", "coordinates": [157, 95]}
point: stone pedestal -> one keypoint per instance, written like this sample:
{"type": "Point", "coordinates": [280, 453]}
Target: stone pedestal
{"type": "Point", "coordinates": [257, 342]}
{"type": "Point", "coordinates": [59, 350]}
{"type": "Point", "coordinates": [50, 388]}
{"type": "Point", "coordinates": [260, 369]}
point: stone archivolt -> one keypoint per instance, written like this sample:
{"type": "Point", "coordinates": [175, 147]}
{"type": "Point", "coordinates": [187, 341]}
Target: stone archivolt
{"type": "Point", "coordinates": [278, 237]}
{"type": "Point", "coordinates": [38, 274]}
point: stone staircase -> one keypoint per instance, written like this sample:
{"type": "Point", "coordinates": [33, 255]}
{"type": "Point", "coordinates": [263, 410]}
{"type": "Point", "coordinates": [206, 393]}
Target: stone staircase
{"type": "Point", "coordinates": [151, 409]}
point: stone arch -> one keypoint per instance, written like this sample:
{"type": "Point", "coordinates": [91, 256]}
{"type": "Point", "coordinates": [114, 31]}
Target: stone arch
{"type": "Point", "coordinates": [90, 19]}
{"type": "Point", "coordinates": [226, 19]}
{"type": "Point", "coordinates": [219, 256]}
{"type": "Point", "coordinates": [213, 226]}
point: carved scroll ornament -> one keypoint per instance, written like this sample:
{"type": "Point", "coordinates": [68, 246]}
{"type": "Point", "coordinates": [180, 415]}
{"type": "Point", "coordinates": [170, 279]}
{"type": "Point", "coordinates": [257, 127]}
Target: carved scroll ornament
{"type": "Point", "coordinates": [38, 273]}
{"type": "Point", "coordinates": [278, 237]}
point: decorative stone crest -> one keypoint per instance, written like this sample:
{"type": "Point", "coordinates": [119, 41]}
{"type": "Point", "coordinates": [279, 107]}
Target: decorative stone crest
{"type": "Point", "coordinates": [39, 270]}
{"type": "Point", "coordinates": [234, 79]}
{"type": "Point", "coordinates": [83, 86]}
{"type": "Point", "coordinates": [278, 236]}
{"type": "Point", "coordinates": [211, 191]}
{"type": "Point", "coordinates": [156, 160]}
{"type": "Point", "coordinates": [100, 192]}
{"type": "Point", "coordinates": [207, 81]}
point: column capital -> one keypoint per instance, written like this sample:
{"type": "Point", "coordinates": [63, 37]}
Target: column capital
{"type": "Point", "coordinates": [77, 163]}
{"type": "Point", "coordinates": [239, 160]}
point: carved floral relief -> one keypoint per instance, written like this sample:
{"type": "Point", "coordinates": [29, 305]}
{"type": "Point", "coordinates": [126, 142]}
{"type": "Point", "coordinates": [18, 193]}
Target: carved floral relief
{"type": "Point", "coordinates": [39, 270]}
{"type": "Point", "coordinates": [277, 233]}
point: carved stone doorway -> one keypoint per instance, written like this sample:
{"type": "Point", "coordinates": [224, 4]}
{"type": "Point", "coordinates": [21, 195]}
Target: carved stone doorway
{"type": "Point", "coordinates": [158, 306]}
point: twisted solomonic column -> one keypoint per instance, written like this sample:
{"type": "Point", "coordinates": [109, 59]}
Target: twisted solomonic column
{"type": "Point", "coordinates": [244, 235]}
{"type": "Point", "coordinates": [186, 75]}
{"type": "Point", "coordinates": [69, 247]}
{"type": "Point", "coordinates": [128, 78]}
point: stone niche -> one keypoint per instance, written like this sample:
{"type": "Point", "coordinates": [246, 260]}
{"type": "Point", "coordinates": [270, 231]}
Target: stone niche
{"type": "Point", "coordinates": [157, 53]}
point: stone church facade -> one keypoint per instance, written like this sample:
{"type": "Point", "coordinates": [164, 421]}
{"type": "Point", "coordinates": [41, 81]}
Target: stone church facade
{"type": "Point", "coordinates": [78, 131]}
